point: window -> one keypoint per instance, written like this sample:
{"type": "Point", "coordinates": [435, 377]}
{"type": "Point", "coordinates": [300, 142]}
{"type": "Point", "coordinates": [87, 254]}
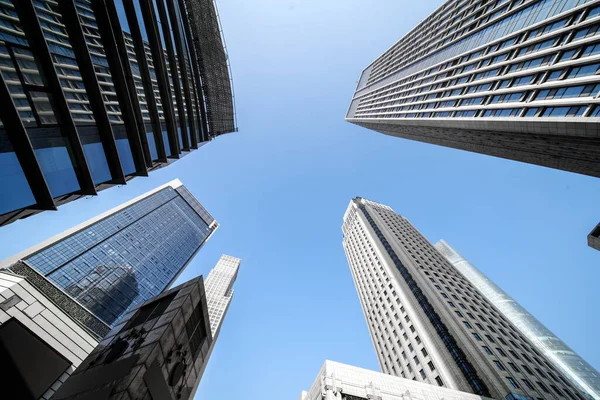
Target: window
{"type": "Point", "coordinates": [468, 325]}
{"type": "Point", "coordinates": [514, 367]}
{"type": "Point", "coordinates": [528, 384]}
{"type": "Point", "coordinates": [502, 112]}
{"type": "Point", "coordinates": [544, 388]}
{"type": "Point", "coordinates": [424, 352]}
{"type": "Point", "coordinates": [524, 80]}
{"type": "Point", "coordinates": [583, 70]}
{"type": "Point", "coordinates": [487, 350]}
{"type": "Point", "coordinates": [508, 98]}
{"type": "Point", "coordinates": [499, 365]}
{"type": "Point", "coordinates": [431, 366]}
{"type": "Point", "coordinates": [512, 382]}
{"type": "Point", "coordinates": [491, 339]}
{"type": "Point", "coordinates": [500, 351]}
{"type": "Point", "coordinates": [439, 381]}
{"type": "Point", "coordinates": [423, 376]}
{"type": "Point", "coordinates": [591, 50]}
{"type": "Point", "coordinates": [476, 336]}
{"type": "Point", "coordinates": [568, 92]}
{"type": "Point", "coordinates": [458, 313]}
{"type": "Point", "coordinates": [563, 111]}
{"type": "Point", "coordinates": [527, 369]}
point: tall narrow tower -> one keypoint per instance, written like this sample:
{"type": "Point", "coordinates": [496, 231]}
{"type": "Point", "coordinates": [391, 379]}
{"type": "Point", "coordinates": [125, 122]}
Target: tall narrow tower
{"type": "Point", "coordinates": [562, 356]}
{"type": "Point", "coordinates": [219, 290]}
{"type": "Point", "coordinates": [429, 323]}
{"type": "Point", "coordinates": [219, 293]}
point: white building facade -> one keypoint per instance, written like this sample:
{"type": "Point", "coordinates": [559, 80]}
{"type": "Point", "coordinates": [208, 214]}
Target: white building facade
{"type": "Point", "coordinates": [511, 79]}
{"type": "Point", "coordinates": [562, 356]}
{"type": "Point", "coordinates": [337, 381]}
{"type": "Point", "coordinates": [430, 324]}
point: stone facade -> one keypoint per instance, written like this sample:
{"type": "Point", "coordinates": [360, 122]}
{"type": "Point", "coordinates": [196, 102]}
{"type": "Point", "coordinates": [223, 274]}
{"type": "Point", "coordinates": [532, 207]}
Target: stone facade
{"type": "Point", "coordinates": [37, 313]}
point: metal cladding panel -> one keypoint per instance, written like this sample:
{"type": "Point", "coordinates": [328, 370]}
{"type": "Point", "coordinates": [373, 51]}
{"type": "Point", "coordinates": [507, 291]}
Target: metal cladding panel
{"type": "Point", "coordinates": [213, 63]}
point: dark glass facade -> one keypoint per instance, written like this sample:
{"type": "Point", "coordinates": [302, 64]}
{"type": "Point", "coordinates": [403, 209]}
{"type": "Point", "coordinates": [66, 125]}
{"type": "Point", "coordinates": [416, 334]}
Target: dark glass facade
{"type": "Point", "coordinates": [129, 255]}
{"type": "Point", "coordinates": [97, 92]}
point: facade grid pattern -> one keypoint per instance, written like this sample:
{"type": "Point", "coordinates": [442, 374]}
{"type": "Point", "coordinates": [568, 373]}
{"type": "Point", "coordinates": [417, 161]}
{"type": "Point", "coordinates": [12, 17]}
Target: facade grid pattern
{"type": "Point", "coordinates": [407, 342]}
{"type": "Point", "coordinates": [93, 97]}
{"type": "Point", "coordinates": [514, 79]}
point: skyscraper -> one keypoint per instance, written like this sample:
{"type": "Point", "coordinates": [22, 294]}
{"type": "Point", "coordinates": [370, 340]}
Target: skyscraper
{"type": "Point", "coordinates": [511, 79]}
{"type": "Point", "coordinates": [219, 293]}
{"type": "Point", "coordinates": [125, 255]}
{"type": "Point", "coordinates": [219, 290]}
{"type": "Point", "coordinates": [95, 93]}
{"type": "Point", "coordinates": [429, 323]}
{"type": "Point", "coordinates": [562, 356]}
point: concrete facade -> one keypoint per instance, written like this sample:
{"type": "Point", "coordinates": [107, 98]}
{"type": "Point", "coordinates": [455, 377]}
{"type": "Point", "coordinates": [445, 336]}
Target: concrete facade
{"type": "Point", "coordinates": [337, 381]}
{"type": "Point", "coordinates": [158, 351]}
{"type": "Point", "coordinates": [429, 323]}
{"type": "Point", "coordinates": [580, 372]}
{"type": "Point", "coordinates": [511, 80]}
{"type": "Point", "coordinates": [37, 311]}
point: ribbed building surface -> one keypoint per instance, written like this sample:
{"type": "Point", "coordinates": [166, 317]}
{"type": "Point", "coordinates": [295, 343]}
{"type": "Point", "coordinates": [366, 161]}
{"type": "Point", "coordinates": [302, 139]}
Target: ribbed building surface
{"type": "Point", "coordinates": [126, 255]}
{"type": "Point", "coordinates": [562, 356]}
{"type": "Point", "coordinates": [430, 324]}
{"type": "Point", "coordinates": [511, 79]}
{"type": "Point", "coordinates": [95, 93]}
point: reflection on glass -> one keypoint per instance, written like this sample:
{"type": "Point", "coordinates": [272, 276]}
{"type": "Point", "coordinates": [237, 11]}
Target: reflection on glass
{"type": "Point", "coordinates": [12, 176]}
{"type": "Point", "coordinates": [152, 146]}
{"type": "Point", "coordinates": [58, 169]}
{"type": "Point", "coordinates": [128, 257]}
{"type": "Point", "coordinates": [96, 159]}
{"type": "Point", "coordinates": [180, 137]}
{"type": "Point", "coordinates": [165, 136]}
{"type": "Point", "coordinates": [126, 157]}
{"type": "Point", "coordinates": [41, 101]}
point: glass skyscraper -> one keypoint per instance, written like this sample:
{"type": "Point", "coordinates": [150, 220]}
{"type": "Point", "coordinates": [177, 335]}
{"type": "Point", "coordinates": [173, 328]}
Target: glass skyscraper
{"type": "Point", "coordinates": [430, 323]}
{"type": "Point", "coordinates": [95, 93]}
{"type": "Point", "coordinates": [562, 356]}
{"type": "Point", "coordinates": [126, 255]}
{"type": "Point", "coordinates": [516, 79]}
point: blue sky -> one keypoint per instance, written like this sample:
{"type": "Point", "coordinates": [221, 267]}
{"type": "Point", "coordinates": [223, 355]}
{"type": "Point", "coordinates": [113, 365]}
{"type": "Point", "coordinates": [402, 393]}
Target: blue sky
{"type": "Point", "coordinates": [280, 186]}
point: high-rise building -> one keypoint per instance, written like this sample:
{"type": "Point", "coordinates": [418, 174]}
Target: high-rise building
{"type": "Point", "coordinates": [562, 356]}
{"type": "Point", "coordinates": [511, 79]}
{"type": "Point", "coordinates": [594, 238]}
{"type": "Point", "coordinates": [125, 255]}
{"type": "Point", "coordinates": [95, 93]}
{"type": "Point", "coordinates": [158, 351]}
{"type": "Point", "coordinates": [219, 293]}
{"type": "Point", "coordinates": [219, 290]}
{"type": "Point", "coordinates": [429, 323]}
{"type": "Point", "coordinates": [346, 382]}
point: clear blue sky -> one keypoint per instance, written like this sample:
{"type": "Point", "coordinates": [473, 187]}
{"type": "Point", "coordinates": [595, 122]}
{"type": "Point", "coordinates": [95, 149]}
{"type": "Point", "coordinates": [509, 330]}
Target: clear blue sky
{"type": "Point", "coordinates": [280, 186]}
